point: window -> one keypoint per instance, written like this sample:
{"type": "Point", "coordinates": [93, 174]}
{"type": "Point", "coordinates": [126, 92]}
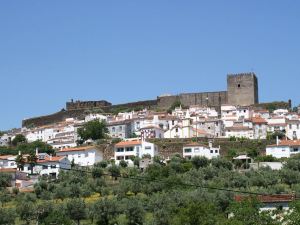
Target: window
{"type": "Point", "coordinates": [216, 151]}
{"type": "Point", "coordinates": [239, 85]}
{"type": "Point", "coordinates": [173, 122]}
{"type": "Point", "coordinates": [53, 166]}
{"type": "Point", "coordinates": [176, 130]}
{"type": "Point", "coordinates": [148, 147]}
{"type": "Point", "coordinates": [113, 129]}
{"type": "Point", "coordinates": [120, 149]}
{"type": "Point", "coordinates": [187, 150]}
{"type": "Point", "coordinates": [129, 149]}
{"type": "Point", "coordinates": [211, 151]}
{"type": "Point", "coordinates": [120, 157]}
{"type": "Point", "coordinates": [45, 167]}
{"type": "Point", "coordinates": [290, 125]}
{"type": "Point", "coordinates": [120, 128]}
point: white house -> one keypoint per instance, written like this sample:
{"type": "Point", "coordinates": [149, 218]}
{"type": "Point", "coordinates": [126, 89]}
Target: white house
{"type": "Point", "coordinates": [82, 156]}
{"type": "Point", "coordinates": [284, 148]}
{"type": "Point", "coordinates": [260, 127]}
{"type": "Point", "coordinates": [276, 124]}
{"type": "Point", "coordinates": [239, 131]}
{"type": "Point", "coordinates": [127, 149]}
{"type": "Point", "coordinates": [4, 140]}
{"type": "Point", "coordinates": [293, 129]}
{"type": "Point", "coordinates": [151, 132]}
{"type": "Point", "coordinates": [94, 116]}
{"type": "Point", "coordinates": [270, 202]}
{"type": "Point", "coordinates": [195, 149]}
{"type": "Point", "coordinates": [48, 165]}
{"type": "Point", "coordinates": [8, 162]}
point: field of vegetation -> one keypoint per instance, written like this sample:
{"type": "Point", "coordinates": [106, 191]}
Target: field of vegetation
{"type": "Point", "coordinates": [197, 191]}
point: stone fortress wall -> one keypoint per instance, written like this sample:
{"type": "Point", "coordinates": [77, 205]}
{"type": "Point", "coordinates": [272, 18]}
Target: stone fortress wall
{"type": "Point", "coordinates": [242, 89]}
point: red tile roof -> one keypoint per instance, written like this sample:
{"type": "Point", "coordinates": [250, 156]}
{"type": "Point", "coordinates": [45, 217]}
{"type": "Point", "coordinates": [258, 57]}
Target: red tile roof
{"type": "Point", "coordinates": [259, 120]}
{"type": "Point", "coordinates": [77, 149]}
{"type": "Point", "coordinates": [128, 143]}
{"type": "Point", "coordinates": [5, 156]}
{"type": "Point", "coordinates": [51, 159]}
{"type": "Point", "coordinates": [194, 144]}
{"type": "Point", "coordinates": [7, 170]}
{"type": "Point", "coordinates": [268, 198]}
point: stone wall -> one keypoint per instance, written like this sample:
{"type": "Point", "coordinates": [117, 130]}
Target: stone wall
{"type": "Point", "coordinates": [86, 104]}
{"type": "Point", "coordinates": [52, 118]}
{"type": "Point", "coordinates": [211, 99]}
{"type": "Point", "coordinates": [170, 147]}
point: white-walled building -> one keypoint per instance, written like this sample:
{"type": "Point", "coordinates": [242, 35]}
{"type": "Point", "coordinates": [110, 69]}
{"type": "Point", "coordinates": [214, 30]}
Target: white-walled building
{"type": "Point", "coordinates": [127, 149]}
{"type": "Point", "coordinates": [239, 131]}
{"type": "Point", "coordinates": [82, 156]}
{"type": "Point", "coordinates": [48, 165]}
{"type": "Point", "coordinates": [284, 148]}
{"type": "Point", "coordinates": [195, 149]}
{"type": "Point", "coordinates": [8, 162]}
{"type": "Point", "coordinates": [151, 132]}
{"type": "Point", "coordinates": [293, 129]}
{"type": "Point", "coordinates": [276, 123]}
{"type": "Point", "coordinates": [95, 116]}
{"type": "Point", "coordinates": [4, 140]}
{"type": "Point", "coordinates": [260, 127]}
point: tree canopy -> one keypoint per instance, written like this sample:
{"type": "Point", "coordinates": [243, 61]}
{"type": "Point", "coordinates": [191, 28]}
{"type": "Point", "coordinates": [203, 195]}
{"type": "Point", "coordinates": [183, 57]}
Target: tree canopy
{"type": "Point", "coordinates": [94, 130]}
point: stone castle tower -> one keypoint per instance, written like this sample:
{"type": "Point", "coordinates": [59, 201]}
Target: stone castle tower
{"type": "Point", "coordinates": [242, 89]}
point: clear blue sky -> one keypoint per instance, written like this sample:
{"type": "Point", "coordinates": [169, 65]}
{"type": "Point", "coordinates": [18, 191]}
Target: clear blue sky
{"type": "Point", "coordinates": [121, 51]}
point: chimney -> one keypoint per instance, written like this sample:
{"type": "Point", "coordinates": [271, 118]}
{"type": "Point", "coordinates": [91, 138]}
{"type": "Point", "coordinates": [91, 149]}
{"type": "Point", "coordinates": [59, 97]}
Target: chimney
{"type": "Point", "coordinates": [19, 153]}
{"type": "Point", "coordinates": [277, 140]}
{"type": "Point", "coordinates": [210, 144]}
{"type": "Point", "coordinates": [37, 151]}
{"type": "Point", "coordinates": [50, 157]}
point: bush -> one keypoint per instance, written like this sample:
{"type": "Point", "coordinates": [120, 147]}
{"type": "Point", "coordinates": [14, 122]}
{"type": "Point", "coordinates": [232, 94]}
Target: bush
{"type": "Point", "coordinates": [123, 163]}
{"type": "Point", "coordinates": [200, 161]}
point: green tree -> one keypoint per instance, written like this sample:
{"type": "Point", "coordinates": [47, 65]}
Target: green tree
{"type": "Point", "coordinates": [20, 160]}
{"type": "Point", "coordinates": [57, 217]}
{"type": "Point", "coordinates": [200, 213]}
{"type": "Point", "coordinates": [5, 196]}
{"type": "Point", "coordinates": [61, 192]}
{"type": "Point", "coordinates": [134, 212]}
{"type": "Point", "coordinates": [175, 104]}
{"type": "Point", "coordinates": [5, 180]}
{"type": "Point", "coordinates": [114, 171]}
{"type": "Point", "coordinates": [27, 211]}
{"type": "Point", "coordinates": [247, 212]}
{"type": "Point", "coordinates": [19, 138]}
{"type": "Point", "coordinates": [105, 211]}
{"type": "Point", "coordinates": [94, 130]}
{"type": "Point", "coordinates": [123, 163]}
{"type": "Point", "coordinates": [97, 172]}
{"type": "Point", "coordinates": [76, 209]}
{"type": "Point", "coordinates": [200, 161]}
{"type": "Point", "coordinates": [7, 217]}
{"type": "Point", "coordinates": [32, 160]}
{"type": "Point", "coordinates": [103, 164]}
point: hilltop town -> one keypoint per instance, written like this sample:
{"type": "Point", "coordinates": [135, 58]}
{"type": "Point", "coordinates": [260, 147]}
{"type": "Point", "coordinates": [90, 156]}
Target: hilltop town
{"type": "Point", "coordinates": [230, 132]}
